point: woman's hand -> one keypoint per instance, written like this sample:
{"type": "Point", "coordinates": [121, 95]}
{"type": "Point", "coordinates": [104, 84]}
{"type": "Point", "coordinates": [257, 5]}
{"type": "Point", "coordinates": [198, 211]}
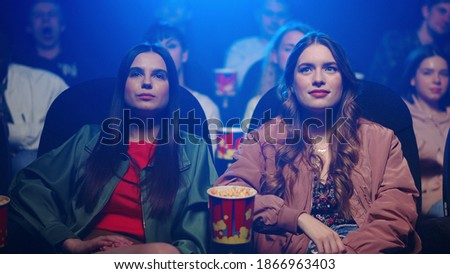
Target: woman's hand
{"type": "Point", "coordinates": [100, 243]}
{"type": "Point", "coordinates": [326, 239]}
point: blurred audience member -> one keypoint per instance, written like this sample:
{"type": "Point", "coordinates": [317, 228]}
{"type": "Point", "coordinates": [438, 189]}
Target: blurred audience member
{"type": "Point", "coordinates": [5, 116]}
{"type": "Point", "coordinates": [174, 41]}
{"type": "Point", "coordinates": [396, 45]}
{"type": "Point", "coordinates": [270, 16]}
{"type": "Point", "coordinates": [26, 96]}
{"type": "Point", "coordinates": [179, 14]}
{"type": "Point", "coordinates": [425, 91]}
{"type": "Point", "coordinates": [264, 74]}
{"type": "Point", "coordinates": [46, 27]}
{"type": "Point", "coordinates": [175, 12]}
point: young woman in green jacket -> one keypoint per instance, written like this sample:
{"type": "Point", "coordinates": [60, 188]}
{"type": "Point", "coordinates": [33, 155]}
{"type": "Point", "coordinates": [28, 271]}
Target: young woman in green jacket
{"type": "Point", "coordinates": [137, 184]}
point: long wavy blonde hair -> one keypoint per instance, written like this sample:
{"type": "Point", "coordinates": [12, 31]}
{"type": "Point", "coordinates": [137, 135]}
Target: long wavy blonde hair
{"type": "Point", "coordinates": [344, 152]}
{"type": "Point", "coordinates": [271, 72]}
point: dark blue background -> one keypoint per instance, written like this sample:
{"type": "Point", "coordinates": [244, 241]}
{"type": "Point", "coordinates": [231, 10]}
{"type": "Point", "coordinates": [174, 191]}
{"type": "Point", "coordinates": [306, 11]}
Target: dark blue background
{"type": "Point", "coordinates": [106, 29]}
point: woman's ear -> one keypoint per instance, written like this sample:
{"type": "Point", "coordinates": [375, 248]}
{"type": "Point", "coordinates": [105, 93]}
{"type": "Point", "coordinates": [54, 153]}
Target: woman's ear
{"type": "Point", "coordinates": [412, 82]}
{"type": "Point", "coordinates": [185, 56]}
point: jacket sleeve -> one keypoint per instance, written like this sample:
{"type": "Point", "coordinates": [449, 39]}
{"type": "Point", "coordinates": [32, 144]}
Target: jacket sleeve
{"type": "Point", "coordinates": [41, 193]}
{"type": "Point", "coordinates": [191, 232]}
{"type": "Point", "coordinates": [390, 222]}
{"type": "Point", "coordinates": [254, 160]}
{"type": "Point", "coordinates": [25, 133]}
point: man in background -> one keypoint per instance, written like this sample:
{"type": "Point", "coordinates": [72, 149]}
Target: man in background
{"type": "Point", "coordinates": [270, 16]}
{"type": "Point", "coordinates": [396, 45]}
{"type": "Point", "coordinates": [26, 94]}
{"type": "Point", "coordinates": [46, 26]}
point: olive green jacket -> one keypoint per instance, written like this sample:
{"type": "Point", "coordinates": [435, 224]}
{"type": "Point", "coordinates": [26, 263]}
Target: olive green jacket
{"type": "Point", "coordinates": [43, 195]}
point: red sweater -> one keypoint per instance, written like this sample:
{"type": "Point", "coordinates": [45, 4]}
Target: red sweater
{"type": "Point", "coordinates": [123, 212]}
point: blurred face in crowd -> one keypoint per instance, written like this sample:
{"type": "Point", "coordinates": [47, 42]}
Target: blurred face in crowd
{"type": "Point", "coordinates": [46, 24]}
{"type": "Point", "coordinates": [317, 79]}
{"type": "Point", "coordinates": [284, 49]}
{"type": "Point", "coordinates": [176, 51]}
{"type": "Point", "coordinates": [175, 12]}
{"type": "Point", "coordinates": [272, 16]}
{"type": "Point", "coordinates": [431, 79]}
{"type": "Point", "coordinates": [147, 85]}
{"type": "Point", "coordinates": [438, 18]}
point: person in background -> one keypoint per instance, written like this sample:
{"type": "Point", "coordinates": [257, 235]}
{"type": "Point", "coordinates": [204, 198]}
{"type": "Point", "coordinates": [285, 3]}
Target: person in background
{"type": "Point", "coordinates": [174, 41]}
{"type": "Point", "coordinates": [135, 185]}
{"type": "Point", "coordinates": [270, 16]}
{"type": "Point", "coordinates": [264, 74]}
{"type": "Point", "coordinates": [175, 12]}
{"type": "Point", "coordinates": [325, 189]}
{"type": "Point", "coordinates": [425, 92]}
{"type": "Point", "coordinates": [26, 95]}
{"type": "Point", "coordinates": [180, 14]}
{"type": "Point", "coordinates": [396, 45]}
{"type": "Point", "coordinates": [5, 155]}
{"type": "Point", "coordinates": [47, 26]}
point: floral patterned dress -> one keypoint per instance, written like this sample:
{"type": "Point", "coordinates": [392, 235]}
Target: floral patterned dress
{"type": "Point", "coordinates": [325, 208]}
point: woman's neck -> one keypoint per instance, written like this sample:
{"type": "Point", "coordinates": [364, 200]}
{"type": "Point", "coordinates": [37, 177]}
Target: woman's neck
{"type": "Point", "coordinates": [148, 134]}
{"type": "Point", "coordinates": [322, 150]}
{"type": "Point", "coordinates": [317, 133]}
{"type": "Point", "coordinates": [316, 128]}
{"type": "Point", "coordinates": [430, 107]}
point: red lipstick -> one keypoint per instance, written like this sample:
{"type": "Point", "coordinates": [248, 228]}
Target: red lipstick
{"type": "Point", "coordinates": [436, 90]}
{"type": "Point", "coordinates": [319, 93]}
{"type": "Point", "coordinates": [145, 96]}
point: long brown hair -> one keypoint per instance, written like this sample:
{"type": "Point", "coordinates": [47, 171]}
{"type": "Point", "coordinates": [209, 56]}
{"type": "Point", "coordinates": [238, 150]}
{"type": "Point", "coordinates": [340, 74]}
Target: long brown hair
{"type": "Point", "coordinates": [101, 166]}
{"type": "Point", "coordinates": [344, 153]}
{"type": "Point", "coordinates": [271, 72]}
{"type": "Point", "coordinates": [412, 64]}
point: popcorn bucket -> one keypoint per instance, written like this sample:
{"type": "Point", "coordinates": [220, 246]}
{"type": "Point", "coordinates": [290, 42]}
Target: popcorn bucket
{"type": "Point", "coordinates": [231, 214]}
{"type": "Point", "coordinates": [4, 201]}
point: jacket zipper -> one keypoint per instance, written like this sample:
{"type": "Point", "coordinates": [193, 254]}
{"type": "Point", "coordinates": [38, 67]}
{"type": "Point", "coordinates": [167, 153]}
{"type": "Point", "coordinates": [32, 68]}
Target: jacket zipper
{"type": "Point", "coordinates": [142, 210]}
{"type": "Point", "coordinates": [141, 200]}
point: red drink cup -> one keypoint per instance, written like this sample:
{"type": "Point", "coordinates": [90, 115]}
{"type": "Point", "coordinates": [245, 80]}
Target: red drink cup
{"type": "Point", "coordinates": [228, 141]}
{"type": "Point", "coordinates": [4, 201]}
{"type": "Point", "coordinates": [225, 81]}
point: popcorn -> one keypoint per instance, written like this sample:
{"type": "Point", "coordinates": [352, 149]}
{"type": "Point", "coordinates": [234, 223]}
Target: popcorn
{"type": "Point", "coordinates": [232, 191]}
